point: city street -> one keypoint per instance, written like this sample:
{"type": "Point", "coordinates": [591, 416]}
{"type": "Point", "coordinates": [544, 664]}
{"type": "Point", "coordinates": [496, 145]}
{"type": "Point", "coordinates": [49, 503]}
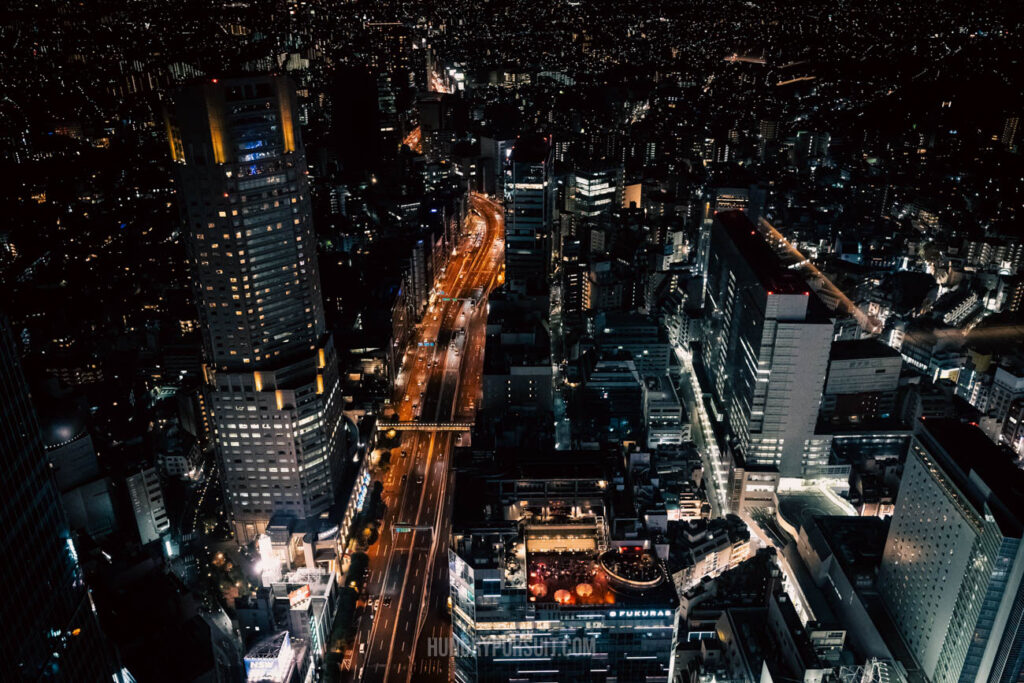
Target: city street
{"type": "Point", "coordinates": [440, 381]}
{"type": "Point", "coordinates": [703, 436]}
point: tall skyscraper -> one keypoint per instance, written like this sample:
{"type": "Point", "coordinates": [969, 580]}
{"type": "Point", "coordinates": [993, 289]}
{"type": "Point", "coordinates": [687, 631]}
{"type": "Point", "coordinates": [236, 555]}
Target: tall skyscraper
{"type": "Point", "coordinates": [952, 574]}
{"type": "Point", "coordinates": [718, 200]}
{"type": "Point", "coordinates": [496, 150]}
{"type": "Point", "coordinates": [49, 629]}
{"type": "Point", "coordinates": [766, 348]}
{"type": "Point", "coordinates": [271, 368]}
{"type": "Point", "coordinates": [529, 214]}
{"type": "Point", "coordinates": [594, 193]}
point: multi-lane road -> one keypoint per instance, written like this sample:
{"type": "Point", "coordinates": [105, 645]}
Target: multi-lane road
{"type": "Point", "coordinates": [440, 381]}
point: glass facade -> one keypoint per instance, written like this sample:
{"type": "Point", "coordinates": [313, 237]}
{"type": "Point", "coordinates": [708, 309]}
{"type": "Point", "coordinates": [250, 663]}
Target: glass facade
{"type": "Point", "coordinates": [529, 213]}
{"type": "Point", "coordinates": [951, 570]}
{"type": "Point", "coordinates": [49, 631]}
{"type": "Point", "coordinates": [998, 580]}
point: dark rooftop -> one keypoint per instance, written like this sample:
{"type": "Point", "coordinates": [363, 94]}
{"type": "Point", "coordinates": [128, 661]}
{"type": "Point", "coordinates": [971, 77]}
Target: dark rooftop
{"type": "Point", "coordinates": [972, 452]}
{"type": "Point", "coordinates": [531, 149]}
{"type": "Point", "coordinates": [861, 348]}
{"type": "Point", "coordinates": [857, 543]}
{"type": "Point", "coordinates": [759, 255]}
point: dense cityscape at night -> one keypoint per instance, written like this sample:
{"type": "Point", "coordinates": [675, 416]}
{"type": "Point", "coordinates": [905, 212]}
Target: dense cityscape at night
{"type": "Point", "coordinates": [670, 341]}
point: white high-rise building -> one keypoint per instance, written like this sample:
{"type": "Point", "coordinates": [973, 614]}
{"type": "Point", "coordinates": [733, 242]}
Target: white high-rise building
{"type": "Point", "coordinates": [766, 348]}
{"type": "Point", "coordinates": [952, 574]}
{"type": "Point", "coordinates": [271, 369]}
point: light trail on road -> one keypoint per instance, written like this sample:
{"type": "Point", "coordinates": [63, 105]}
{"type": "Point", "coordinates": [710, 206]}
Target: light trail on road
{"type": "Point", "coordinates": [442, 370]}
{"type": "Point", "coordinates": [828, 289]}
{"type": "Point", "coordinates": [820, 282]}
{"type": "Point", "coordinates": [437, 84]}
{"type": "Point", "coordinates": [414, 140]}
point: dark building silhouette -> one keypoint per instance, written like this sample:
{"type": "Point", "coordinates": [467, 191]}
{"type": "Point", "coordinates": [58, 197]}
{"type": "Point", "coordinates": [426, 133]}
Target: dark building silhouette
{"type": "Point", "coordinates": [49, 630]}
{"type": "Point", "coordinates": [356, 132]}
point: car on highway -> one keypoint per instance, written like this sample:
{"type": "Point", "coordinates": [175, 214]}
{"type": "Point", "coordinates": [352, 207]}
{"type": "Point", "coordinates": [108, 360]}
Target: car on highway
{"type": "Point", "coordinates": [405, 477]}
{"type": "Point", "coordinates": [362, 648]}
{"type": "Point", "coordinates": [419, 477]}
{"type": "Point", "coordinates": [387, 601]}
{"type": "Point", "coordinates": [405, 453]}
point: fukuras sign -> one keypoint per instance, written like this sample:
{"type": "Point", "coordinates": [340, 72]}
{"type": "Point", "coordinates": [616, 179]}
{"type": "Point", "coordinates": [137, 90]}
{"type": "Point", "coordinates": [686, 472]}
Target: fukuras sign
{"type": "Point", "coordinates": [641, 613]}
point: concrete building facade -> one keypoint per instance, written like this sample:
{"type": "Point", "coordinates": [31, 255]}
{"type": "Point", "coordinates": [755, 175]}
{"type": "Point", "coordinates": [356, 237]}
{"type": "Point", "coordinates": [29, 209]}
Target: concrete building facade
{"type": "Point", "coordinates": [271, 371]}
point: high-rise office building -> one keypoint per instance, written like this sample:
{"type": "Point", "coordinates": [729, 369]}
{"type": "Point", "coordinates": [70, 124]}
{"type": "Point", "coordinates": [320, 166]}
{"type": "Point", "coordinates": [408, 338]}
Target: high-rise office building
{"type": "Point", "coordinates": [766, 348]}
{"type": "Point", "coordinates": [496, 151]}
{"type": "Point", "coordinates": [613, 397]}
{"type": "Point", "coordinates": [639, 335]}
{"type": "Point", "coordinates": [952, 574]}
{"type": "Point", "coordinates": [718, 200]}
{"type": "Point", "coordinates": [271, 368]}
{"type": "Point", "coordinates": [595, 192]}
{"type": "Point", "coordinates": [1012, 433]}
{"type": "Point", "coordinates": [573, 271]}
{"type": "Point", "coordinates": [49, 628]}
{"type": "Point", "coordinates": [529, 214]}
{"type": "Point", "coordinates": [863, 379]}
